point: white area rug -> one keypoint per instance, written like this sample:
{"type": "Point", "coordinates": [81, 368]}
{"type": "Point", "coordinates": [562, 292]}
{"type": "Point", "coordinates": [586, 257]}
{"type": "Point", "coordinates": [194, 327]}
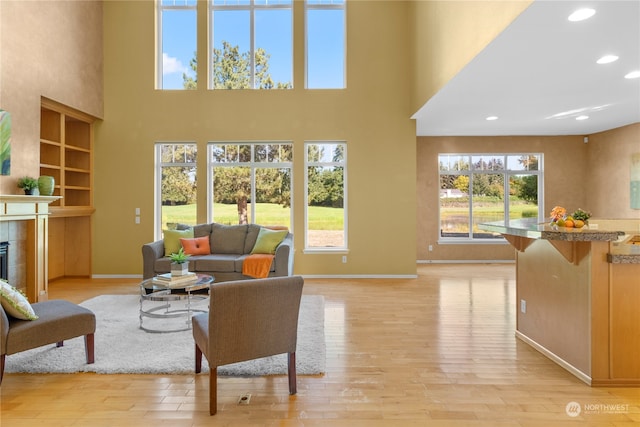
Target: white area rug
{"type": "Point", "coordinates": [121, 347]}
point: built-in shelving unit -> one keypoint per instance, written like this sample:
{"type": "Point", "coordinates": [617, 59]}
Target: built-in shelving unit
{"type": "Point", "coordinates": [66, 153]}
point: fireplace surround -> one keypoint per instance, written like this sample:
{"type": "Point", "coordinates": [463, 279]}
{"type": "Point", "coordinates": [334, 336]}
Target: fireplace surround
{"type": "Point", "coordinates": [33, 214]}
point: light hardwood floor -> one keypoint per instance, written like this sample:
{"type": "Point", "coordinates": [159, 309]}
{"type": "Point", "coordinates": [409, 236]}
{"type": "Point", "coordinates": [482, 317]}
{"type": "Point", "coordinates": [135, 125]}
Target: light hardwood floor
{"type": "Point", "coordinates": [437, 350]}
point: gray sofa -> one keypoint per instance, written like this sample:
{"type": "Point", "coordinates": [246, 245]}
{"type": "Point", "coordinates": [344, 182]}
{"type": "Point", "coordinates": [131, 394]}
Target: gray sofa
{"type": "Point", "coordinates": [230, 245]}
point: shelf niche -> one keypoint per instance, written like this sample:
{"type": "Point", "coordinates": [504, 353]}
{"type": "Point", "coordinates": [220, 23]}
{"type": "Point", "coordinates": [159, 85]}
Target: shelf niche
{"type": "Point", "coordinates": [66, 153]}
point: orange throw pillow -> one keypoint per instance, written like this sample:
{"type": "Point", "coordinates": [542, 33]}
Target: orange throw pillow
{"type": "Point", "coordinates": [196, 246]}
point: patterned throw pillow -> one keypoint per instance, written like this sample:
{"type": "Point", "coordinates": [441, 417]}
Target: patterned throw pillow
{"type": "Point", "coordinates": [14, 303]}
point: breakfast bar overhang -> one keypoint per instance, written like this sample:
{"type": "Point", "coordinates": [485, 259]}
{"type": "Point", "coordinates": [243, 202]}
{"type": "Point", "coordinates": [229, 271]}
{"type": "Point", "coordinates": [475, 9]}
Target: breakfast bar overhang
{"type": "Point", "coordinates": [578, 298]}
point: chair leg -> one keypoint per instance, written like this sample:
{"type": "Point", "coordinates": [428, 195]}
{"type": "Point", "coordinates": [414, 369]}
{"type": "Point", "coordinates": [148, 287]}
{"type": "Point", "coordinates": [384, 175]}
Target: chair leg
{"type": "Point", "coordinates": [88, 347]}
{"type": "Point", "coordinates": [198, 359]}
{"type": "Point", "coordinates": [213, 390]}
{"type": "Point", "coordinates": [2, 367]}
{"type": "Point", "coordinates": [291, 361]}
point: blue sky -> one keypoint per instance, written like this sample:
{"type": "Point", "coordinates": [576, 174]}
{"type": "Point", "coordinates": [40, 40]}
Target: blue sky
{"type": "Point", "coordinates": [273, 32]}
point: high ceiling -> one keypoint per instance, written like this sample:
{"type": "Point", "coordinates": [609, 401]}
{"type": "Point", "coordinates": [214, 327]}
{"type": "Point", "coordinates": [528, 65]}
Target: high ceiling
{"type": "Point", "coordinates": [541, 73]}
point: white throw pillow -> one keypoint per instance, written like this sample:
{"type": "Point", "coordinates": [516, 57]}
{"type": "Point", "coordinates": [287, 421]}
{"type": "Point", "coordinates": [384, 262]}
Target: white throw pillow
{"type": "Point", "coordinates": [14, 303]}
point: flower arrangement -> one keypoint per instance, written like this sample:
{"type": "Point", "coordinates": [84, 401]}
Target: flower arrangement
{"type": "Point", "coordinates": [578, 219]}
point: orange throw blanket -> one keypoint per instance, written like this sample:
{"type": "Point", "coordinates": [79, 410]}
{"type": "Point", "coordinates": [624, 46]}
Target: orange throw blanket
{"type": "Point", "coordinates": [257, 265]}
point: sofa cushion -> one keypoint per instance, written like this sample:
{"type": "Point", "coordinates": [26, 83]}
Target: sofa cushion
{"type": "Point", "coordinates": [201, 230]}
{"type": "Point", "coordinates": [228, 239]}
{"type": "Point", "coordinates": [216, 263]}
{"type": "Point", "coordinates": [252, 236]}
{"type": "Point", "coordinates": [14, 303]}
{"type": "Point", "coordinates": [172, 238]}
{"type": "Point", "coordinates": [196, 246]}
{"type": "Point", "coordinates": [268, 241]}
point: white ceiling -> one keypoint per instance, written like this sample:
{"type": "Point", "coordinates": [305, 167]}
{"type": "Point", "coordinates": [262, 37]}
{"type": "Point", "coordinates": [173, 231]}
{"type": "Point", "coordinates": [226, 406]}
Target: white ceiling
{"type": "Point", "coordinates": [540, 73]}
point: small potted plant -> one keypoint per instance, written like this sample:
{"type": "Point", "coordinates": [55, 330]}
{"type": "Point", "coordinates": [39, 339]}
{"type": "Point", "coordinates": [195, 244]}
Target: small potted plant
{"type": "Point", "coordinates": [179, 263]}
{"type": "Point", "coordinates": [28, 184]}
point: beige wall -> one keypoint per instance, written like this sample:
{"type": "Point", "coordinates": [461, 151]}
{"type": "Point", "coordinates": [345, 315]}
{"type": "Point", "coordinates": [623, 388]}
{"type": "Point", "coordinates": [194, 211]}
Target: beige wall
{"type": "Point", "coordinates": [51, 49]}
{"type": "Point", "coordinates": [446, 35]}
{"type": "Point", "coordinates": [55, 49]}
{"type": "Point", "coordinates": [609, 165]}
{"type": "Point", "coordinates": [372, 116]}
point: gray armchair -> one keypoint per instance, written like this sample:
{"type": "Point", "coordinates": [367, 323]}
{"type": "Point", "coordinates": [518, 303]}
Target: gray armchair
{"type": "Point", "coordinates": [247, 320]}
{"type": "Point", "coordinates": [58, 320]}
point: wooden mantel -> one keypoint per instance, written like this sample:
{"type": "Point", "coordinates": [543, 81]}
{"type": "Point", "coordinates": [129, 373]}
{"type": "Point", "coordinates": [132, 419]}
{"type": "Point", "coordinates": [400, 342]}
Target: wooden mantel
{"type": "Point", "coordinates": [34, 210]}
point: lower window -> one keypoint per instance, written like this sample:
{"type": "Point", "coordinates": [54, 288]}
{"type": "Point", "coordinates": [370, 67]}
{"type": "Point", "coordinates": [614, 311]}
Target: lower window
{"type": "Point", "coordinates": [477, 188]}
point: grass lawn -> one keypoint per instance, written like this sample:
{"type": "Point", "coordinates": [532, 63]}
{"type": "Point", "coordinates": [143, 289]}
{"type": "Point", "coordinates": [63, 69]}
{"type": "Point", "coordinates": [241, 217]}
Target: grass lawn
{"type": "Point", "coordinates": [320, 218]}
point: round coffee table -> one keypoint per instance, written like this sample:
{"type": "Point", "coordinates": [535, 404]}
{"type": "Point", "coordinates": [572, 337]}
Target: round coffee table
{"type": "Point", "coordinates": [152, 293]}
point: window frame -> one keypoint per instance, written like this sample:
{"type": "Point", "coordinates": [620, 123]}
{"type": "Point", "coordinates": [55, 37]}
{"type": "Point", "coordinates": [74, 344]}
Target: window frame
{"type": "Point", "coordinates": [251, 7]}
{"type": "Point", "coordinates": [507, 174]}
{"type": "Point", "coordinates": [157, 182]}
{"type": "Point", "coordinates": [307, 165]}
{"type": "Point", "coordinates": [253, 165]}
{"type": "Point", "coordinates": [160, 7]}
{"type": "Point", "coordinates": [324, 5]}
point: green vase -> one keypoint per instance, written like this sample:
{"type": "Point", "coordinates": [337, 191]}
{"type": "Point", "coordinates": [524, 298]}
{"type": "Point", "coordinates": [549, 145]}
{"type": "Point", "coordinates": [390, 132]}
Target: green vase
{"type": "Point", "coordinates": [45, 185]}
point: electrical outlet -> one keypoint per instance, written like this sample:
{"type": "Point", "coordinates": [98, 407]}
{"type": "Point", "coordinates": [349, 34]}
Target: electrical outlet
{"type": "Point", "coordinates": [430, 248]}
{"type": "Point", "coordinates": [137, 220]}
{"type": "Point", "coordinates": [244, 399]}
{"type": "Point", "coordinates": [523, 306]}
{"type": "Point", "coordinates": [344, 259]}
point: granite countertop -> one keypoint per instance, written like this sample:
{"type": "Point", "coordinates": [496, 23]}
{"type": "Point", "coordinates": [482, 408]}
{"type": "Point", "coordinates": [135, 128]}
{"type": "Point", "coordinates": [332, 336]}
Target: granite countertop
{"type": "Point", "coordinates": [624, 253]}
{"type": "Point", "coordinates": [533, 229]}
{"type": "Point", "coordinates": [621, 251]}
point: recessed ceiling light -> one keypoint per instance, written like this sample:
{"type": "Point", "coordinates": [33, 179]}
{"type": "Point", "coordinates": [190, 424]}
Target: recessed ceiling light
{"type": "Point", "coordinates": [582, 117]}
{"type": "Point", "coordinates": [581, 14]}
{"type": "Point", "coordinates": [492, 118]}
{"type": "Point", "coordinates": [607, 59]}
{"type": "Point", "coordinates": [633, 75]}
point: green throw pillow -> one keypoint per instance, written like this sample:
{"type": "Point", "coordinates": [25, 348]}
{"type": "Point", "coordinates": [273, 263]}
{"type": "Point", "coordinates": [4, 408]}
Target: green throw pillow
{"type": "Point", "coordinates": [172, 240]}
{"type": "Point", "coordinates": [14, 303]}
{"type": "Point", "coordinates": [268, 241]}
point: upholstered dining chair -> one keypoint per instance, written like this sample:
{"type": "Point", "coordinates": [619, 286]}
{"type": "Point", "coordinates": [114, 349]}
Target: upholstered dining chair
{"type": "Point", "coordinates": [248, 319]}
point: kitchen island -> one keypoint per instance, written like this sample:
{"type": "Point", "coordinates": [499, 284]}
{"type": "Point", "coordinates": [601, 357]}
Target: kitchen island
{"type": "Point", "coordinates": [578, 297]}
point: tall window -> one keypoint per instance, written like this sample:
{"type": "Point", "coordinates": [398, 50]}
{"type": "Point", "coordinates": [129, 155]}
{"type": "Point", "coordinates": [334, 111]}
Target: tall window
{"type": "Point", "coordinates": [326, 45]}
{"type": "Point", "coordinates": [477, 188]}
{"type": "Point", "coordinates": [325, 204]}
{"type": "Point", "coordinates": [175, 185]}
{"type": "Point", "coordinates": [251, 183]}
{"type": "Point", "coordinates": [252, 44]}
{"type": "Point", "coordinates": [176, 44]}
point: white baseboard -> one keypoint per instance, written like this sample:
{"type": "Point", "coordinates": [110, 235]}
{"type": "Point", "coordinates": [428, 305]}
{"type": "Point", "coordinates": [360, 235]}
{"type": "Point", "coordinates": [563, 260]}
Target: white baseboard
{"type": "Point", "coordinates": [306, 276]}
{"type": "Point", "coordinates": [360, 276]}
{"type": "Point", "coordinates": [560, 361]}
{"type": "Point", "coordinates": [116, 276]}
{"type": "Point", "coordinates": [465, 261]}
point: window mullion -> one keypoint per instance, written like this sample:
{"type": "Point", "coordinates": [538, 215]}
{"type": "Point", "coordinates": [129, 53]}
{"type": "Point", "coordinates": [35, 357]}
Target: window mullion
{"type": "Point", "coordinates": [252, 44]}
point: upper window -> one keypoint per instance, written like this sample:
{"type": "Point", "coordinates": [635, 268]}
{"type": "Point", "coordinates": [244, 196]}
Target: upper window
{"type": "Point", "coordinates": [176, 44]}
{"type": "Point", "coordinates": [175, 185]}
{"type": "Point", "coordinates": [251, 183]}
{"type": "Point", "coordinates": [477, 188]}
{"type": "Point", "coordinates": [325, 204]}
{"type": "Point", "coordinates": [252, 44]}
{"type": "Point", "coordinates": [326, 46]}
